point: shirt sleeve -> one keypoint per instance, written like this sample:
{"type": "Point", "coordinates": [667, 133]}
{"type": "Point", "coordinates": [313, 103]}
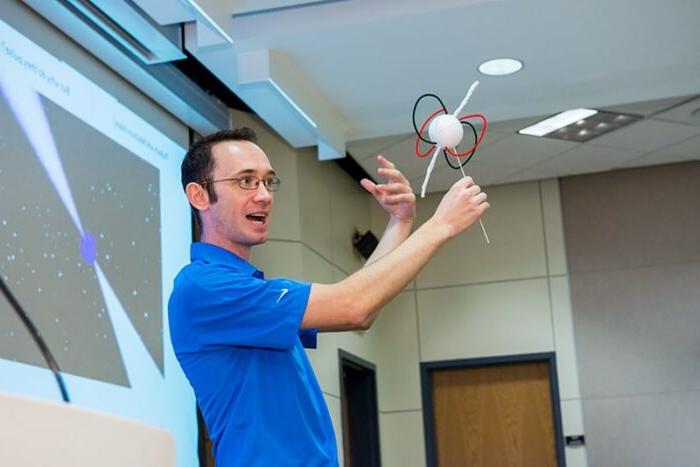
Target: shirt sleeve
{"type": "Point", "coordinates": [309, 338]}
{"type": "Point", "coordinates": [235, 309]}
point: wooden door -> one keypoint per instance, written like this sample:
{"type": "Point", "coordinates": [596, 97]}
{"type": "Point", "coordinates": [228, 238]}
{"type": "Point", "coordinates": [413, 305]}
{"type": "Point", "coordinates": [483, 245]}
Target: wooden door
{"type": "Point", "coordinates": [495, 415]}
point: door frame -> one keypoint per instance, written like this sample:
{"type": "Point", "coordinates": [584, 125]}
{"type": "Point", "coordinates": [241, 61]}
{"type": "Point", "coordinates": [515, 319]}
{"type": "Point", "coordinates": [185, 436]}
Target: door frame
{"type": "Point", "coordinates": [369, 367]}
{"type": "Point", "coordinates": [426, 369]}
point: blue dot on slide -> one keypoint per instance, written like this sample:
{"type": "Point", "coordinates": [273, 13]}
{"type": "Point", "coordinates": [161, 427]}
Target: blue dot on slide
{"type": "Point", "coordinates": [88, 248]}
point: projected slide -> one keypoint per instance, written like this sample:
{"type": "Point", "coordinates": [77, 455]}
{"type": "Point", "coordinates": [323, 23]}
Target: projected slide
{"type": "Point", "coordinates": [93, 228]}
{"type": "Point", "coordinates": [62, 250]}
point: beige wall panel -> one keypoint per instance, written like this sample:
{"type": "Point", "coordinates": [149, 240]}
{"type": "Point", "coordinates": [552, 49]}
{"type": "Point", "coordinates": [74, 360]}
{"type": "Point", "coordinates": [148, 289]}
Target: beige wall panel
{"type": "Point", "coordinates": [285, 215]}
{"type": "Point", "coordinates": [567, 367]}
{"type": "Point", "coordinates": [402, 442]}
{"type": "Point", "coordinates": [643, 430]}
{"type": "Point", "coordinates": [316, 268]}
{"type": "Point", "coordinates": [324, 359]}
{"type": "Point", "coordinates": [632, 218]}
{"type": "Point", "coordinates": [349, 213]}
{"type": "Point", "coordinates": [359, 343]}
{"type": "Point", "coordinates": [638, 330]}
{"type": "Point", "coordinates": [377, 217]}
{"type": "Point", "coordinates": [505, 318]}
{"type": "Point", "coordinates": [315, 203]}
{"type": "Point", "coordinates": [514, 226]}
{"type": "Point", "coordinates": [335, 410]}
{"type": "Point", "coordinates": [572, 421]}
{"type": "Point", "coordinates": [398, 366]}
{"type": "Point", "coordinates": [553, 226]}
{"type": "Point", "coordinates": [279, 259]}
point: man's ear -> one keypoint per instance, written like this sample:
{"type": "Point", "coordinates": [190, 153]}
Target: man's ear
{"type": "Point", "coordinates": [197, 196]}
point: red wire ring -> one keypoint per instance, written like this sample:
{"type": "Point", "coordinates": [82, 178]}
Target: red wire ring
{"type": "Point", "coordinates": [422, 129]}
{"type": "Point", "coordinates": [479, 139]}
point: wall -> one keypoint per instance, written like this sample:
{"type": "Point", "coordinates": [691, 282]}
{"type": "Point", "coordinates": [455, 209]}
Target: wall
{"type": "Point", "coordinates": [479, 300]}
{"type": "Point", "coordinates": [633, 243]}
{"type": "Point", "coordinates": [471, 300]}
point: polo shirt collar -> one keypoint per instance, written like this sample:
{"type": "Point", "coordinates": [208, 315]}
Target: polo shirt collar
{"type": "Point", "coordinates": [210, 253]}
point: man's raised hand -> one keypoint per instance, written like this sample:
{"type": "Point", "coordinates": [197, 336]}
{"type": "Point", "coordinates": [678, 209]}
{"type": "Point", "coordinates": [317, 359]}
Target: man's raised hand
{"type": "Point", "coordinates": [395, 196]}
{"type": "Point", "coordinates": [461, 206]}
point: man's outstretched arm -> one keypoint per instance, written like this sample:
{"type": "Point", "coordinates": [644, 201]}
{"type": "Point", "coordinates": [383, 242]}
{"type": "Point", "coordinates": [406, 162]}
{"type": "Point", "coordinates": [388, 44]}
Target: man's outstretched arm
{"type": "Point", "coordinates": [353, 302]}
{"type": "Point", "coordinates": [397, 199]}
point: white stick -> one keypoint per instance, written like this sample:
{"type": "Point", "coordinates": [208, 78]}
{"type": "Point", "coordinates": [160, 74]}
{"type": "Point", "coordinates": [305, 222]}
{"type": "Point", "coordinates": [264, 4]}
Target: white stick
{"type": "Point", "coordinates": [483, 229]}
{"type": "Point", "coordinates": [466, 98]}
{"type": "Point", "coordinates": [431, 166]}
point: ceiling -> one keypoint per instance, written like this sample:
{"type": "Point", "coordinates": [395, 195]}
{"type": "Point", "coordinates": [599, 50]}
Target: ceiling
{"type": "Point", "coordinates": [354, 68]}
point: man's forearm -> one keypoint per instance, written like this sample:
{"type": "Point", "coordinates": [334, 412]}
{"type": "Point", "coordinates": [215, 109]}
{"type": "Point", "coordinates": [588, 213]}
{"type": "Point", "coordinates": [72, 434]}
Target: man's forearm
{"type": "Point", "coordinates": [395, 233]}
{"type": "Point", "coordinates": [354, 302]}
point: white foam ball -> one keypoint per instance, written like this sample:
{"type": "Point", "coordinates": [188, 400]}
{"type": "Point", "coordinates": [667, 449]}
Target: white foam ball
{"type": "Point", "coordinates": [446, 131]}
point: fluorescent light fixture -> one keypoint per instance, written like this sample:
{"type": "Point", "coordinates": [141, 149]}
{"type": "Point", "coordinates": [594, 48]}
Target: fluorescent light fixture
{"type": "Point", "coordinates": [500, 66]}
{"type": "Point", "coordinates": [580, 125]}
{"type": "Point", "coordinates": [292, 103]}
{"type": "Point", "coordinates": [561, 120]}
{"type": "Point", "coordinates": [204, 16]}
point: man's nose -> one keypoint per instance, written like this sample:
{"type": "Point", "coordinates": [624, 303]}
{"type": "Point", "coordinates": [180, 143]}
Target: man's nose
{"type": "Point", "coordinates": [262, 193]}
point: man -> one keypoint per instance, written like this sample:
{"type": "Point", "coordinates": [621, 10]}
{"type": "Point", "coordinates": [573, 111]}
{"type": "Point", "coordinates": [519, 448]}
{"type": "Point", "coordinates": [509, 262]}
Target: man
{"type": "Point", "coordinates": [238, 336]}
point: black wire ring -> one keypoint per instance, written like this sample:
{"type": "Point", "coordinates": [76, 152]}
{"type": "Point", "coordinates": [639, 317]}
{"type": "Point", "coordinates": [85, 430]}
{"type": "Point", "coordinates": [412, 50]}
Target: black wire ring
{"type": "Point", "coordinates": [415, 106]}
{"type": "Point", "coordinates": [467, 158]}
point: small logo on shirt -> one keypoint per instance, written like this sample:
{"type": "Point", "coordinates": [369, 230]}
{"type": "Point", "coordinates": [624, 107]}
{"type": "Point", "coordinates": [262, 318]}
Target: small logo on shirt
{"type": "Point", "coordinates": [282, 294]}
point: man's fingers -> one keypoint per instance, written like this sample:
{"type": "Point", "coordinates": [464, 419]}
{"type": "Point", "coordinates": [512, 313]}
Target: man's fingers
{"type": "Point", "coordinates": [473, 190]}
{"type": "Point", "coordinates": [384, 162]}
{"type": "Point", "coordinates": [480, 198]}
{"type": "Point", "coordinates": [463, 183]}
{"type": "Point", "coordinates": [394, 175]}
{"type": "Point", "coordinates": [368, 185]}
{"type": "Point", "coordinates": [393, 188]}
{"type": "Point", "coordinates": [399, 199]}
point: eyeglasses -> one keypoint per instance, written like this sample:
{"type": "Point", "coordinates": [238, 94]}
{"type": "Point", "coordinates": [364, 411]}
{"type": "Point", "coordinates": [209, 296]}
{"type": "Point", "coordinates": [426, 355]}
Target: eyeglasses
{"type": "Point", "coordinates": [250, 182]}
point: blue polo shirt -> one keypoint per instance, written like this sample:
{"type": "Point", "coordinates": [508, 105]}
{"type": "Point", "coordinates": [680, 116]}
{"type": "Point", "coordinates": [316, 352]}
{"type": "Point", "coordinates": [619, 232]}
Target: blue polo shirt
{"type": "Point", "coordinates": [237, 338]}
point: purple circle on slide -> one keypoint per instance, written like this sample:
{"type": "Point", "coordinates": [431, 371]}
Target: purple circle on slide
{"type": "Point", "coordinates": [88, 248]}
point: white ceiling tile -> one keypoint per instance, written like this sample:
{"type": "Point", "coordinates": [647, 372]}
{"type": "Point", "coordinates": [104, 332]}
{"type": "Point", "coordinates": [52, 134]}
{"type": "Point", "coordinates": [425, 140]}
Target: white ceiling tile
{"type": "Point", "coordinates": [588, 158]}
{"type": "Point", "coordinates": [512, 126]}
{"type": "Point", "coordinates": [654, 158]}
{"type": "Point", "coordinates": [688, 113]}
{"type": "Point", "coordinates": [648, 135]}
{"type": "Point", "coordinates": [443, 177]}
{"type": "Point", "coordinates": [686, 151]}
{"type": "Point", "coordinates": [647, 108]}
{"type": "Point", "coordinates": [523, 151]}
{"type": "Point", "coordinates": [525, 175]}
{"type": "Point", "coordinates": [362, 149]}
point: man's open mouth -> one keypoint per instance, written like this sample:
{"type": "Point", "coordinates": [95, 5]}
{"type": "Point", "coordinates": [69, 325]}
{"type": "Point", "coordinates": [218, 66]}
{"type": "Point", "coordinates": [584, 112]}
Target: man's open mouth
{"type": "Point", "coordinates": [257, 217]}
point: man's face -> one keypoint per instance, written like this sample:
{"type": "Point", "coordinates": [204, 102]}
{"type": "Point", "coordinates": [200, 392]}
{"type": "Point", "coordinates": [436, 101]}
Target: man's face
{"type": "Point", "coordinates": [239, 218]}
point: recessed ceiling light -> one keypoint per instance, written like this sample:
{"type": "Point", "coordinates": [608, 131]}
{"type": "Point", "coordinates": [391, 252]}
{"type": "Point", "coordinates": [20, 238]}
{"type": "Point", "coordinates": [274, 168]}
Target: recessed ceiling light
{"type": "Point", "coordinates": [500, 66]}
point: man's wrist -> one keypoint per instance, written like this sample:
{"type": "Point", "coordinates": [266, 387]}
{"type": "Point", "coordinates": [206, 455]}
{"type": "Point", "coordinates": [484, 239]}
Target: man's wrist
{"type": "Point", "coordinates": [404, 223]}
